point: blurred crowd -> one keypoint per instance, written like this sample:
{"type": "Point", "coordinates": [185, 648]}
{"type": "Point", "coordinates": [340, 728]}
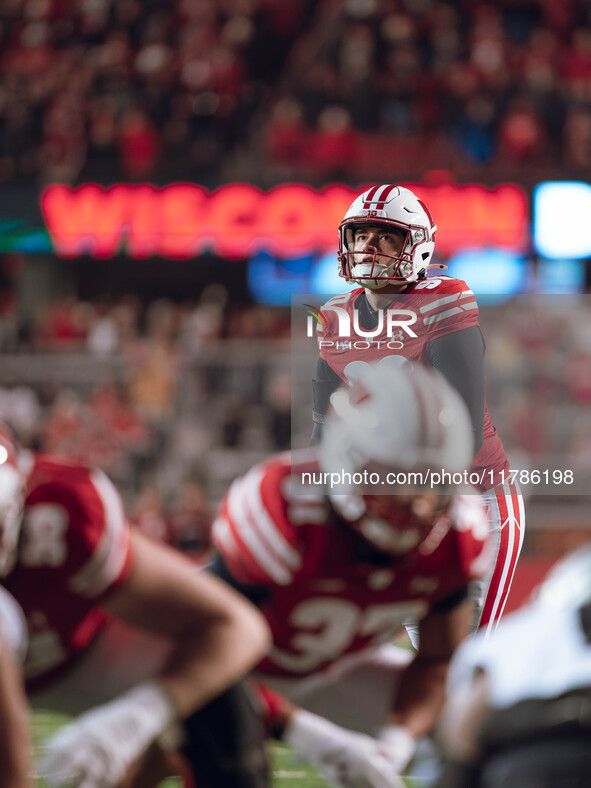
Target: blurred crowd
{"type": "Point", "coordinates": [211, 90]}
{"type": "Point", "coordinates": [148, 392]}
{"type": "Point", "coordinates": [465, 86]}
{"type": "Point", "coordinates": [135, 89]}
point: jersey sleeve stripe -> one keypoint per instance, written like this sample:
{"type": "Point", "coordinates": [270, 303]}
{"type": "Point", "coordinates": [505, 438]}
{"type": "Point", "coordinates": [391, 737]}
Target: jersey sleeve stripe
{"type": "Point", "coordinates": [242, 525]}
{"type": "Point", "coordinates": [457, 310]}
{"type": "Point", "coordinates": [231, 548]}
{"type": "Point", "coordinates": [108, 560]}
{"type": "Point", "coordinates": [444, 301]}
{"type": "Point", "coordinates": [266, 524]}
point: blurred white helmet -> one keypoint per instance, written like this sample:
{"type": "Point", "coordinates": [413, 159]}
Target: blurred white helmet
{"type": "Point", "coordinates": [568, 584]}
{"type": "Point", "coordinates": [394, 418]}
{"type": "Point", "coordinates": [394, 207]}
{"type": "Point", "coordinates": [12, 485]}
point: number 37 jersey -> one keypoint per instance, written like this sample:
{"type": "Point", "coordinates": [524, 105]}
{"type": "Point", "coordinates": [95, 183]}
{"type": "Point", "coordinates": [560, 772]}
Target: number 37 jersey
{"type": "Point", "coordinates": [74, 548]}
{"type": "Point", "coordinates": [326, 597]}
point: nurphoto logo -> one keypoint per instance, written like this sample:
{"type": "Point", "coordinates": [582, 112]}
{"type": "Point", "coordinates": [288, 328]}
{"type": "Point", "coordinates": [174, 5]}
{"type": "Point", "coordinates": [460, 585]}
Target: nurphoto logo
{"type": "Point", "coordinates": [396, 322]}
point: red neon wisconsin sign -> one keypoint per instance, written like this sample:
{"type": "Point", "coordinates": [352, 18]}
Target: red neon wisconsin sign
{"type": "Point", "coordinates": [183, 220]}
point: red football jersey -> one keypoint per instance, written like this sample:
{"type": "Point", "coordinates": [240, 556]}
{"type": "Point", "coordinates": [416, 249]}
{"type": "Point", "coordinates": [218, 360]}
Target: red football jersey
{"type": "Point", "coordinates": [74, 547]}
{"type": "Point", "coordinates": [427, 310]}
{"type": "Point", "coordinates": [325, 599]}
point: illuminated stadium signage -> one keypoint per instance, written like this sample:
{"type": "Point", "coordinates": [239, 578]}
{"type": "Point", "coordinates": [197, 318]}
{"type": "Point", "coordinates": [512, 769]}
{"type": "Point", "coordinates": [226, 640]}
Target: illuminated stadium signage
{"type": "Point", "coordinates": [237, 220]}
{"type": "Point", "coordinates": [562, 220]}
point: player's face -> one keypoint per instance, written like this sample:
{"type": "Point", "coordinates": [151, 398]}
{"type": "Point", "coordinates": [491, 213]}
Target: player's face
{"type": "Point", "coordinates": [419, 506]}
{"type": "Point", "coordinates": [396, 524]}
{"type": "Point", "coordinates": [369, 240]}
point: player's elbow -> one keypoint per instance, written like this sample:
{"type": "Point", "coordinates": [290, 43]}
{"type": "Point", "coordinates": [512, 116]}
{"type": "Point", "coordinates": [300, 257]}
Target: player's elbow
{"type": "Point", "coordinates": [249, 631]}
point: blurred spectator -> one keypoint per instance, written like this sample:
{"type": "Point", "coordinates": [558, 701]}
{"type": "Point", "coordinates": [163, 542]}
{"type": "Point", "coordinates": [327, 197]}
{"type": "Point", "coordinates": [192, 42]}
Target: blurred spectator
{"type": "Point", "coordinates": [190, 521]}
{"type": "Point", "coordinates": [149, 517]}
{"type": "Point", "coordinates": [139, 145]}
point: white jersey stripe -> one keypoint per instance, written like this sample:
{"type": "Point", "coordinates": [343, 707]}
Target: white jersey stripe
{"type": "Point", "coordinates": [445, 300]}
{"type": "Point", "coordinates": [265, 523]}
{"type": "Point", "coordinates": [450, 312]}
{"type": "Point", "coordinates": [510, 524]}
{"type": "Point", "coordinates": [107, 561]}
{"type": "Point", "coordinates": [440, 302]}
{"type": "Point", "coordinates": [225, 537]}
{"type": "Point", "coordinates": [241, 520]}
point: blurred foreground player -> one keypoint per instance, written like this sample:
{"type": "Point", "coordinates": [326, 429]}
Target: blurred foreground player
{"type": "Point", "coordinates": [519, 705]}
{"type": "Point", "coordinates": [386, 244]}
{"type": "Point", "coordinates": [337, 575]}
{"type": "Point", "coordinates": [122, 631]}
{"type": "Point", "coordinates": [16, 761]}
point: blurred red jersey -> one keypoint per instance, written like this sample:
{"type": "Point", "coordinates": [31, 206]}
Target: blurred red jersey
{"type": "Point", "coordinates": [427, 310]}
{"type": "Point", "coordinates": [74, 548]}
{"type": "Point", "coordinates": [328, 594]}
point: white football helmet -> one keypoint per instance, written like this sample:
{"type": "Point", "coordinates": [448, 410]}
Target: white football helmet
{"type": "Point", "coordinates": [394, 207]}
{"type": "Point", "coordinates": [568, 584]}
{"type": "Point", "coordinates": [394, 418]}
{"type": "Point", "coordinates": [12, 486]}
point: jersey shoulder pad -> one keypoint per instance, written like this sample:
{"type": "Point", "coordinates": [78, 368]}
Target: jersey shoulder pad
{"type": "Point", "coordinates": [253, 530]}
{"type": "Point", "coordinates": [75, 521]}
{"type": "Point", "coordinates": [446, 305]}
{"type": "Point", "coordinates": [470, 528]}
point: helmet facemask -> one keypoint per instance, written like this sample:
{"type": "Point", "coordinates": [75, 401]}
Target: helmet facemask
{"type": "Point", "coordinates": [381, 268]}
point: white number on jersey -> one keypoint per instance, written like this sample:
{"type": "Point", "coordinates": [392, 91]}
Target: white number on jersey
{"type": "Point", "coordinates": [336, 624]}
{"type": "Point", "coordinates": [428, 284]}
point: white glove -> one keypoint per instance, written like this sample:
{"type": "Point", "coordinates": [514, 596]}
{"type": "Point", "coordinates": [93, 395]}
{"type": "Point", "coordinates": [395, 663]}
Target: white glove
{"type": "Point", "coordinates": [398, 745]}
{"type": "Point", "coordinates": [97, 749]}
{"type": "Point", "coordinates": [344, 758]}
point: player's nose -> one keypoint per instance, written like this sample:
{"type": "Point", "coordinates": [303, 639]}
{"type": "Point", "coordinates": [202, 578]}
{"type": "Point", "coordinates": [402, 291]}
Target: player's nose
{"type": "Point", "coordinates": [370, 245]}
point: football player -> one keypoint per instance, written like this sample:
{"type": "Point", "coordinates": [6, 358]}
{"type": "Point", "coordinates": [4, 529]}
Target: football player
{"type": "Point", "coordinates": [15, 741]}
{"type": "Point", "coordinates": [338, 574]}
{"type": "Point", "coordinates": [123, 632]}
{"type": "Point", "coordinates": [386, 243]}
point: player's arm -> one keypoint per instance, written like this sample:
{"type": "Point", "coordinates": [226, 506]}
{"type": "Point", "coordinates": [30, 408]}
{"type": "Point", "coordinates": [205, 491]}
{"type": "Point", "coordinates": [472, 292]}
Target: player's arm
{"type": "Point", "coordinates": [421, 691]}
{"type": "Point", "coordinates": [459, 356]}
{"type": "Point", "coordinates": [15, 742]}
{"type": "Point", "coordinates": [324, 383]}
{"type": "Point", "coordinates": [219, 636]}
{"type": "Point", "coordinates": [216, 637]}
